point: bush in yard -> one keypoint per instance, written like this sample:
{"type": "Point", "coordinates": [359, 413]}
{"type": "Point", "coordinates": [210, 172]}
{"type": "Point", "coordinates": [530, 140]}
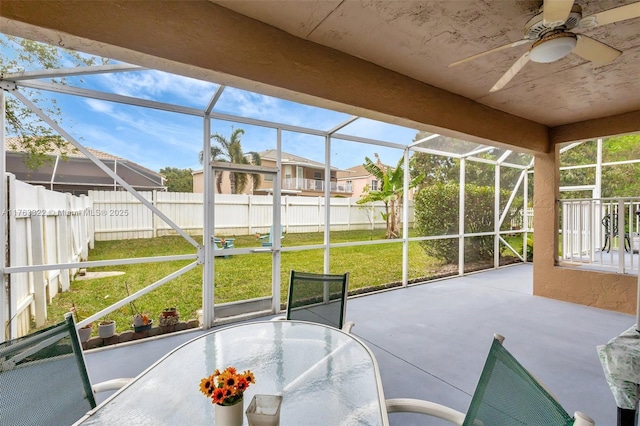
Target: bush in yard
{"type": "Point", "coordinates": [436, 213]}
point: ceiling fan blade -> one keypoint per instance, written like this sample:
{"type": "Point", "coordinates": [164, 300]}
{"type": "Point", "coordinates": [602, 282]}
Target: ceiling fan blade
{"type": "Point", "coordinates": [595, 51]}
{"type": "Point", "coordinates": [610, 16]}
{"type": "Point", "coordinates": [497, 49]}
{"type": "Point", "coordinates": [515, 68]}
{"type": "Point", "coordinates": [556, 12]}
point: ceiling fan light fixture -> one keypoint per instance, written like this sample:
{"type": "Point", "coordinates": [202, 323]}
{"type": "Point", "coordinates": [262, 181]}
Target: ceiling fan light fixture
{"type": "Point", "coordinates": [552, 48]}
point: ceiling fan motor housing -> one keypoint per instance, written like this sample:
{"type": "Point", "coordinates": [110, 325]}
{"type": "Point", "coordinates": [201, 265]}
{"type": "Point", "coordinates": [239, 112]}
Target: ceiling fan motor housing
{"type": "Point", "coordinates": [536, 28]}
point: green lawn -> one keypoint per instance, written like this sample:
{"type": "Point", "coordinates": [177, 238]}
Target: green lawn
{"type": "Point", "coordinates": [237, 278]}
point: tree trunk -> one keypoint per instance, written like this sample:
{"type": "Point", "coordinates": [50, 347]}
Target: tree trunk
{"type": "Point", "coordinates": [387, 217]}
{"type": "Point", "coordinates": [232, 182]}
{"type": "Point", "coordinates": [393, 221]}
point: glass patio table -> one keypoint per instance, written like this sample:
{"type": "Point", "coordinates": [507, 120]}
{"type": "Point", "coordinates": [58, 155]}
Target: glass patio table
{"type": "Point", "coordinates": [325, 377]}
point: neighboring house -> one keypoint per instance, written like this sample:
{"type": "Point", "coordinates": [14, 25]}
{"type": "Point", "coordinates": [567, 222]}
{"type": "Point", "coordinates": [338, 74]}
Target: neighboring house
{"type": "Point", "coordinates": [69, 170]}
{"type": "Point", "coordinates": [357, 178]}
{"type": "Point", "coordinates": [300, 176]}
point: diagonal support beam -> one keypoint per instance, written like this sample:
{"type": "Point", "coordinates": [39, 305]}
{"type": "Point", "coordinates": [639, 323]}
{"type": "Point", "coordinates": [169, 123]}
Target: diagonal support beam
{"type": "Point", "coordinates": [103, 167]}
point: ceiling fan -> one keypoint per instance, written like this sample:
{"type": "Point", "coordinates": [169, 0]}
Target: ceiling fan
{"type": "Point", "coordinates": [549, 30]}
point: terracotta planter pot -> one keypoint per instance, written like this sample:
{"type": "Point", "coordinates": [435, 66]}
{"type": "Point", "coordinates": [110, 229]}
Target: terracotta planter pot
{"type": "Point", "coordinates": [169, 312]}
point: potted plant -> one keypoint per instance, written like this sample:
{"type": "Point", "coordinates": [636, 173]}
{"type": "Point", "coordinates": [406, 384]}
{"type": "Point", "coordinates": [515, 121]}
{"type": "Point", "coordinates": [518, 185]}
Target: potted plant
{"type": "Point", "coordinates": [84, 333]}
{"type": "Point", "coordinates": [226, 390]}
{"type": "Point", "coordinates": [169, 317]}
{"type": "Point", "coordinates": [141, 321]}
{"type": "Point", "coordinates": [106, 328]}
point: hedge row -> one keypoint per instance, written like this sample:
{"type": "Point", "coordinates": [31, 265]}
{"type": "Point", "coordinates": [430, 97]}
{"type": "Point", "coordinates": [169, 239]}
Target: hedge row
{"type": "Point", "coordinates": [437, 213]}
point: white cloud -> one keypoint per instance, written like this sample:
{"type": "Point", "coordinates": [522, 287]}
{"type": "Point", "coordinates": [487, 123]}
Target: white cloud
{"type": "Point", "coordinates": [159, 86]}
{"type": "Point", "coordinates": [99, 106]}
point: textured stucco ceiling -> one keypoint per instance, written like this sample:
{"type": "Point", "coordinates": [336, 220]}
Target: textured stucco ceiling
{"type": "Point", "coordinates": [420, 39]}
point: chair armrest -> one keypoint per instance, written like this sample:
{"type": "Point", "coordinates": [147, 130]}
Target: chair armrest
{"type": "Point", "coordinates": [409, 405]}
{"type": "Point", "coordinates": [581, 419]}
{"type": "Point", "coordinates": [347, 326]}
{"type": "Point", "coordinates": [110, 385]}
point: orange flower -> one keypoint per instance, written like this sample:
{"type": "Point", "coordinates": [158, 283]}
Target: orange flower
{"type": "Point", "coordinates": [242, 385]}
{"type": "Point", "coordinates": [226, 387]}
{"type": "Point", "coordinates": [227, 379]}
{"type": "Point", "coordinates": [206, 386]}
{"type": "Point", "coordinates": [218, 396]}
{"type": "Point", "coordinates": [248, 376]}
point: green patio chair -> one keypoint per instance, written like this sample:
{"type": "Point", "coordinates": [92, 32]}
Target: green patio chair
{"type": "Point", "coordinates": [319, 298]}
{"type": "Point", "coordinates": [43, 378]}
{"type": "Point", "coordinates": [506, 395]}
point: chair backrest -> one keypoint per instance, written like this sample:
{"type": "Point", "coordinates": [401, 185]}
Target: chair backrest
{"type": "Point", "coordinates": [267, 240]}
{"type": "Point", "coordinates": [607, 222]}
{"type": "Point", "coordinates": [43, 378]}
{"type": "Point", "coordinates": [320, 298]}
{"type": "Point", "coordinates": [507, 394]}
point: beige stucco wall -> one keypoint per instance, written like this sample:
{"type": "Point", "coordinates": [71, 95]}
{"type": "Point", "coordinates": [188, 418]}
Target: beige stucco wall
{"type": "Point", "coordinates": [599, 289]}
{"type": "Point", "coordinates": [198, 183]}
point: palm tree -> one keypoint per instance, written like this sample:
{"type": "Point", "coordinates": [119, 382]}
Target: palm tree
{"type": "Point", "coordinates": [230, 150]}
{"type": "Point", "coordinates": [390, 192]}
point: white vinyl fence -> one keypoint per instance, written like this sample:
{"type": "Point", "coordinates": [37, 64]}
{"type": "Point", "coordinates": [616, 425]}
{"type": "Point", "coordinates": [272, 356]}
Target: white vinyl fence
{"type": "Point", "coordinates": [118, 215]}
{"type": "Point", "coordinates": [45, 227]}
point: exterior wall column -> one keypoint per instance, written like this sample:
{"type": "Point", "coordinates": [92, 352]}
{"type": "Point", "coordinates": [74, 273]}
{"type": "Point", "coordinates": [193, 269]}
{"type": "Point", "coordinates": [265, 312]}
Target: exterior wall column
{"type": "Point", "coordinates": [616, 292]}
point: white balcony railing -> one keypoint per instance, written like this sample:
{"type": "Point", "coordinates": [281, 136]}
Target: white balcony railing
{"type": "Point", "coordinates": [315, 185]}
{"type": "Point", "coordinates": [590, 236]}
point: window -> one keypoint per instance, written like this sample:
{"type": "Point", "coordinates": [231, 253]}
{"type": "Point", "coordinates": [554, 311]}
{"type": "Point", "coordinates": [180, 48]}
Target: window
{"type": "Point", "coordinates": [317, 175]}
{"type": "Point", "coordinates": [374, 185]}
{"type": "Point", "coordinates": [268, 178]}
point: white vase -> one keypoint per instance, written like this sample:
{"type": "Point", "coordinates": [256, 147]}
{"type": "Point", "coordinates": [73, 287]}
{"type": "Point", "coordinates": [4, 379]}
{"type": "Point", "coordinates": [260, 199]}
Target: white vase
{"type": "Point", "coordinates": [229, 415]}
{"type": "Point", "coordinates": [106, 330]}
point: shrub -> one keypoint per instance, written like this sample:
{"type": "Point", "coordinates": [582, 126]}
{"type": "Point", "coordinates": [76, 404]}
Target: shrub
{"type": "Point", "coordinates": [436, 213]}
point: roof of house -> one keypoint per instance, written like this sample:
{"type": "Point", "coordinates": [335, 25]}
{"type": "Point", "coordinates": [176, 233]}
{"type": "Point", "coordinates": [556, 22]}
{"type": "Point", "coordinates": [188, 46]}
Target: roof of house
{"type": "Point", "coordinates": [287, 158]}
{"type": "Point", "coordinates": [356, 172]}
{"type": "Point", "coordinates": [15, 144]}
{"type": "Point", "coordinates": [79, 170]}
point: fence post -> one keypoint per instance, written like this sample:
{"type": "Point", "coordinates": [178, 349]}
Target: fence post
{"type": "Point", "coordinates": [39, 281]}
{"type": "Point", "coordinates": [64, 247]}
{"type": "Point", "coordinates": [13, 298]}
{"type": "Point", "coordinates": [249, 218]}
{"type": "Point", "coordinates": [319, 213]}
{"type": "Point", "coordinates": [154, 221]}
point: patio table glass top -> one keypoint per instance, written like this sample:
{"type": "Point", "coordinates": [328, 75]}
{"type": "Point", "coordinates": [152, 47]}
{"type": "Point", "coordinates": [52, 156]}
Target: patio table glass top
{"type": "Point", "coordinates": [324, 375]}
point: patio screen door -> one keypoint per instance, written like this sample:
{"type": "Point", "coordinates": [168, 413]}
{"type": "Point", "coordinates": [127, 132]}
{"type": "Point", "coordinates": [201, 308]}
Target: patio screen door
{"type": "Point", "coordinates": [256, 220]}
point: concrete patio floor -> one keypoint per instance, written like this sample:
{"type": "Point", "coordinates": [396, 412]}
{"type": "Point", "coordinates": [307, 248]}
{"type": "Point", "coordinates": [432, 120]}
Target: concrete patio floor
{"type": "Point", "coordinates": [431, 341]}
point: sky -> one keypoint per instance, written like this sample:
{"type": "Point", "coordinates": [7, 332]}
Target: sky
{"type": "Point", "coordinates": [157, 139]}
